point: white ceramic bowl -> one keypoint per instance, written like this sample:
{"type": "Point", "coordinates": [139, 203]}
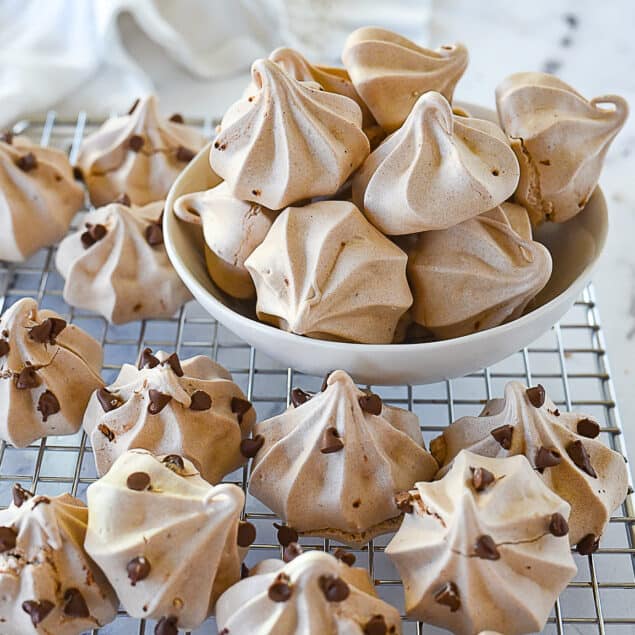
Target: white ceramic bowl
{"type": "Point", "coordinates": [575, 247]}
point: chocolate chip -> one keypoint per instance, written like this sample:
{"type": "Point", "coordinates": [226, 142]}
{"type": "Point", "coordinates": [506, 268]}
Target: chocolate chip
{"type": "Point", "coordinates": [6, 137]}
{"type": "Point", "coordinates": [27, 162]}
{"type": "Point", "coordinates": [174, 462]}
{"type": "Point", "coordinates": [93, 234]}
{"type": "Point", "coordinates": [147, 359]}
{"type": "Point", "coordinates": [376, 625]}
{"type": "Point", "coordinates": [244, 571]}
{"type": "Point", "coordinates": [40, 500]}
{"type": "Point", "coordinates": [78, 174]}
{"type": "Point", "coordinates": [27, 378]}
{"type": "Point", "coordinates": [291, 551]}
{"type": "Point", "coordinates": [75, 604]}
{"type": "Point", "coordinates": [448, 595]}
{"type": "Point", "coordinates": [588, 545]}
{"type": "Point", "coordinates": [135, 103]}
{"type": "Point", "coordinates": [558, 525]}
{"type": "Point", "coordinates": [177, 118]}
{"type": "Point", "coordinates": [371, 404]}
{"type": "Point", "coordinates": [48, 405]}
{"type": "Point", "coordinates": [325, 381]}
{"type": "Point", "coordinates": [138, 481]}
{"type": "Point", "coordinates": [20, 495]}
{"type": "Point", "coordinates": [246, 534]}
{"type": "Point", "coordinates": [167, 626]}
{"type": "Point", "coordinates": [183, 154]}
{"type": "Point", "coordinates": [38, 611]}
{"type": "Point", "coordinates": [158, 401]}
{"type": "Point", "coordinates": [249, 447]}
{"type": "Point", "coordinates": [154, 234]}
{"type": "Point", "coordinates": [4, 348]}
{"type": "Point", "coordinates": [106, 431]}
{"type": "Point", "coordinates": [200, 400]}
{"type": "Point", "coordinates": [123, 199]}
{"type": "Point", "coordinates": [175, 364]}
{"type": "Point", "coordinates": [536, 396]}
{"type": "Point", "coordinates": [138, 569]}
{"type": "Point", "coordinates": [481, 478]}
{"type": "Point", "coordinates": [403, 500]}
{"type": "Point", "coordinates": [280, 590]}
{"type": "Point", "coordinates": [346, 557]}
{"type": "Point", "coordinates": [135, 143]}
{"type": "Point", "coordinates": [240, 407]}
{"type": "Point", "coordinates": [588, 428]}
{"type": "Point", "coordinates": [504, 436]}
{"type": "Point", "coordinates": [578, 454]}
{"type": "Point", "coordinates": [547, 458]}
{"type": "Point", "coordinates": [334, 588]}
{"type": "Point", "coordinates": [8, 536]}
{"type": "Point", "coordinates": [331, 441]}
{"type": "Point", "coordinates": [299, 397]}
{"type": "Point", "coordinates": [47, 331]}
{"type": "Point", "coordinates": [485, 548]}
{"type": "Point", "coordinates": [286, 535]}
{"type": "Point", "coordinates": [107, 400]}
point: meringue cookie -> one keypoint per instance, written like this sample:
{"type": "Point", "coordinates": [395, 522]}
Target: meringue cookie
{"type": "Point", "coordinates": [48, 371]}
{"type": "Point", "coordinates": [48, 584]}
{"type": "Point", "coordinates": [232, 229]}
{"type": "Point", "coordinates": [483, 548]}
{"type": "Point", "coordinates": [140, 153]}
{"type": "Point", "coordinates": [314, 593]}
{"type": "Point", "coordinates": [38, 197]}
{"type": "Point", "coordinates": [289, 142]}
{"type": "Point", "coordinates": [324, 271]}
{"type": "Point", "coordinates": [436, 171]}
{"type": "Point", "coordinates": [476, 275]}
{"type": "Point", "coordinates": [331, 466]}
{"type": "Point", "coordinates": [167, 406]}
{"type": "Point", "coordinates": [560, 139]}
{"type": "Point", "coordinates": [116, 265]}
{"type": "Point", "coordinates": [167, 540]}
{"type": "Point", "coordinates": [390, 72]}
{"type": "Point", "coordinates": [592, 478]}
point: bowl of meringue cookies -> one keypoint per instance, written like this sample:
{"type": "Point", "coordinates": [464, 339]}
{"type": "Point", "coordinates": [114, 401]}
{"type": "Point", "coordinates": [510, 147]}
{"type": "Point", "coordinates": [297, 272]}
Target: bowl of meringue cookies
{"type": "Point", "coordinates": [357, 218]}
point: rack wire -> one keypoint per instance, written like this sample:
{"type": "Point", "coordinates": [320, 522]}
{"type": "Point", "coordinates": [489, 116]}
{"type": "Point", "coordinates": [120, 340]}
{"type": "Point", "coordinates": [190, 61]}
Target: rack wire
{"type": "Point", "coordinates": [570, 361]}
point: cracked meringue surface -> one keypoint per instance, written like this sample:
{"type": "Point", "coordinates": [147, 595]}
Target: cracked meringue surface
{"type": "Point", "coordinates": [560, 139]}
{"type": "Point", "coordinates": [483, 548]}
{"type": "Point", "coordinates": [48, 371]}
{"type": "Point", "coordinates": [191, 408]}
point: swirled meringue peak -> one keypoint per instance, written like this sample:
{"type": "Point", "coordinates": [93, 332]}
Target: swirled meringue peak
{"type": "Point", "coordinates": [477, 274]}
{"type": "Point", "coordinates": [324, 271]}
{"type": "Point", "coordinates": [232, 230]}
{"type": "Point", "coordinates": [437, 170]}
{"type": "Point", "coordinates": [48, 371]}
{"type": "Point", "coordinates": [289, 142]}
{"type": "Point", "coordinates": [332, 463]}
{"type": "Point", "coordinates": [167, 406]}
{"type": "Point", "coordinates": [169, 542]}
{"type": "Point", "coordinates": [560, 139]}
{"type": "Point", "coordinates": [140, 153]}
{"type": "Point", "coordinates": [390, 72]}
{"type": "Point", "coordinates": [485, 547]}
{"type": "Point", "coordinates": [313, 593]}
{"type": "Point", "coordinates": [38, 197]}
{"type": "Point", "coordinates": [562, 447]}
{"type": "Point", "coordinates": [117, 265]}
{"type": "Point", "coordinates": [48, 584]}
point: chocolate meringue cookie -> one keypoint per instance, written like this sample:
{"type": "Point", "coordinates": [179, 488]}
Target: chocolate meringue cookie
{"type": "Point", "coordinates": [48, 371]}
{"type": "Point", "coordinates": [38, 197]}
{"type": "Point", "coordinates": [485, 547]}
{"type": "Point", "coordinates": [436, 171]}
{"type": "Point", "coordinates": [314, 593]}
{"type": "Point", "coordinates": [477, 274]}
{"type": "Point", "coordinates": [325, 272]}
{"type": "Point", "coordinates": [117, 265]}
{"type": "Point", "coordinates": [167, 406]}
{"type": "Point", "coordinates": [140, 153]}
{"type": "Point", "coordinates": [331, 464]}
{"type": "Point", "coordinates": [48, 584]}
{"type": "Point", "coordinates": [390, 72]}
{"type": "Point", "coordinates": [289, 142]}
{"type": "Point", "coordinates": [560, 139]}
{"type": "Point", "coordinates": [232, 229]}
{"type": "Point", "coordinates": [169, 542]}
{"type": "Point", "coordinates": [561, 446]}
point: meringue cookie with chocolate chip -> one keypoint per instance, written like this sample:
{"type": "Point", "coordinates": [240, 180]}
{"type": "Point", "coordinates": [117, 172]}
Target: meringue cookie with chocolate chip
{"type": "Point", "coordinates": [169, 542]}
{"type": "Point", "coordinates": [485, 547]}
{"type": "Point", "coordinates": [48, 371]}
{"type": "Point", "coordinates": [168, 406]}
{"type": "Point", "coordinates": [116, 264]}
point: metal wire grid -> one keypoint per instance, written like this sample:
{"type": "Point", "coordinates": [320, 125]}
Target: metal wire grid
{"type": "Point", "coordinates": [570, 361]}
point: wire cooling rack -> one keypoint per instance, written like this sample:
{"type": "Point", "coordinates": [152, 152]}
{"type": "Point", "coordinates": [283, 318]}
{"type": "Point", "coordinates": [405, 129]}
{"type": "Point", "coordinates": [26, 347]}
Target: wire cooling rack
{"type": "Point", "coordinates": [570, 361]}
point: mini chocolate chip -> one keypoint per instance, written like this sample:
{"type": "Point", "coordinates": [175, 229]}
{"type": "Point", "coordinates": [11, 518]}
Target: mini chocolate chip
{"type": "Point", "coordinates": [280, 590]}
{"type": "Point", "coordinates": [371, 404]}
{"type": "Point", "coordinates": [135, 103]}
{"type": "Point", "coordinates": [334, 588]}
{"type": "Point", "coordinates": [286, 535]}
{"type": "Point", "coordinates": [75, 604]}
{"type": "Point", "coordinates": [147, 359]}
{"type": "Point", "coordinates": [558, 525]}
{"type": "Point", "coordinates": [556, 413]}
{"type": "Point", "coordinates": [588, 545]}
{"type": "Point", "coordinates": [106, 431]}
{"type": "Point", "coordinates": [325, 381]}
{"type": "Point", "coordinates": [107, 400]}
{"type": "Point", "coordinates": [174, 462]}
{"type": "Point", "coordinates": [135, 143]}
{"type": "Point", "coordinates": [448, 595]}
{"type": "Point", "coordinates": [8, 536]}
{"type": "Point", "coordinates": [578, 454]}
{"type": "Point", "coordinates": [27, 162]}
{"type": "Point", "coordinates": [249, 447]}
{"type": "Point", "coordinates": [123, 199]}
{"type": "Point", "coordinates": [4, 348]}
{"type": "Point", "coordinates": [158, 401]}
{"type": "Point", "coordinates": [175, 364]}
{"type": "Point", "coordinates": [240, 407]}
{"type": "Point", "coordinates": [177, 118]}
{"type": "Point", "coordinates": [403, 500]}
{"type": "Point", "coordinates": [138, 569]}
{"type": "Point", "coordinates": [48, 405]}
{"type": "Point", "coordinates": [588, 428]}
{"type": "Point", "coordinates": [482, 478]}
{"type": "Point", "coordinates": [78, 174]}
{"type": "Point", "coordinates": [346, 557]}
{"type": "Point", "coordinates": [167, 626]}
{"type": "Point", "coordinates": [536, 396]}
{"type": "Point", "coordinates": [183, 154]}
{"type": "Point", "coordinates": [485, 548]}
{"type": "Point", "coordinates": [246, 534]}
{"type": "Point", "coordinates": [47, 331]}
{"type": "Point", "coordinates": [291, 551]}
{"type": "Point", "coordinates": [20, 495]}
{"type": "Point", "coordinates": [331, 441]}
{"type": "Point", "coordinates": [503, 435]}
{"type": "Point", "coordinates": [7, 137]}
{"type": "Point", "coordinates": [138, 481]}
{"type": "Point", "coordinates": [154, 234]}
{"type": "Point", "coordinates": [547, 458]}
{"type": "Point", "coordinates": [27, 378]}
{"type": "Point", "coordinates": [93, 234]}
{"type": "Point", "coordinates": [299, 397]}
{"type": "Point", "coordinates": [38, 611]}
{"type": "Point", "coordinates": [376, 625]}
